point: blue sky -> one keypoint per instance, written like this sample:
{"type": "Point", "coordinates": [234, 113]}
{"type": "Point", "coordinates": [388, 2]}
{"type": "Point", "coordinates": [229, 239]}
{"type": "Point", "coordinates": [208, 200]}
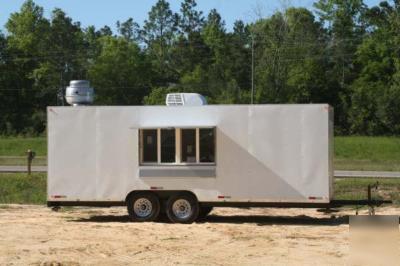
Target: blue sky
{"type": "Point", "coordinates": [106, 12]}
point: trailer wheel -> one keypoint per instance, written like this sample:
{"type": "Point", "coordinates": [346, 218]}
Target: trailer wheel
{"type": "Point", "coordinates": [182, 208]}
{"type": "Point", "coordinates": [204, 211]}
{"type": "Point", "coordinates": [143, 207]}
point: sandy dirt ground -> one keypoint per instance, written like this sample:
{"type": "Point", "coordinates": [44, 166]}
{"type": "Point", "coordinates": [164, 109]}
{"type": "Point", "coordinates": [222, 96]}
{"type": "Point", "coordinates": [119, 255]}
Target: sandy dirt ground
{"type": "Point", "coordinates": [35, 235]}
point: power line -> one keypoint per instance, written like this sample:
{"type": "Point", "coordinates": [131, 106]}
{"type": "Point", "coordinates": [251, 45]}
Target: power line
{"type": "Point", "coordinates": [290, 43]}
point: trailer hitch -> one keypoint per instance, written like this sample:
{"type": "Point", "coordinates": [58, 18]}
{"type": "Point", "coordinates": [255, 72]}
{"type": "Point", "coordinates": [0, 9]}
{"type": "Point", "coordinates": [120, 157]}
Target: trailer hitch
{"type": "Point", "coordinates": [371, 203]}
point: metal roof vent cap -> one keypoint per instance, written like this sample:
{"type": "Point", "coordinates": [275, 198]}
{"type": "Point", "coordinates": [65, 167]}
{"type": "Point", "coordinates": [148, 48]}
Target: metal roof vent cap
{"type": "Point", "coordinates": [79, 92]}
{"type": "Point", "coordinates": [185, 99]}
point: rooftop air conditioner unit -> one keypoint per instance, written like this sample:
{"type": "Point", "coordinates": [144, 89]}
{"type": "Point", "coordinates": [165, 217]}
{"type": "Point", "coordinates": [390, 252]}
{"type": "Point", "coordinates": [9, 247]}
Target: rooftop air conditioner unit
{"type": "Point", "coordinates": [185, 99]}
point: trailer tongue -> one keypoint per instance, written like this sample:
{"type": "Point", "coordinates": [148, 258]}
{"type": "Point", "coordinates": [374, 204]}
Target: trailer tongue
{"type": "Point", "coordinates": [370, 202]}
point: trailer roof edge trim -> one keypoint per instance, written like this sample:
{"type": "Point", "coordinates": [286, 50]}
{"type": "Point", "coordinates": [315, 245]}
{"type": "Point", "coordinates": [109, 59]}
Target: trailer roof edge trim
{"type": "Point", "coordinates": [153, 126]}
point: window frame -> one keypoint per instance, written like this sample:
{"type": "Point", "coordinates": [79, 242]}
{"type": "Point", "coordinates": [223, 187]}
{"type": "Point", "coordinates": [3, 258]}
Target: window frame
{"type": "Point", "coordinates": [198, 144]}
{"type": "Point", "coordinates": [159, 144]}
{"type": "Point", "coordinates": [141, 146]}
{"type": "Point", "coordinates": [178, 147]}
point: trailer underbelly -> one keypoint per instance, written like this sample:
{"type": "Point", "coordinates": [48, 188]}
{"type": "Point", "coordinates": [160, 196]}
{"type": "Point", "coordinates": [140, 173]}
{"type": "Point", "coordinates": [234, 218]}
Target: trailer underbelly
{"type": "Point", "coordinates": [331, 204]}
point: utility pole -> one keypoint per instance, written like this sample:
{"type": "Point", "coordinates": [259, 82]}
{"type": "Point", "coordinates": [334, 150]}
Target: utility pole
{"type": "Point", "coordinates": [60, 91]}
{"type": "Point", "coordinates": [252, 68]}
{"type": "Point", "coordinates": [60, 96]}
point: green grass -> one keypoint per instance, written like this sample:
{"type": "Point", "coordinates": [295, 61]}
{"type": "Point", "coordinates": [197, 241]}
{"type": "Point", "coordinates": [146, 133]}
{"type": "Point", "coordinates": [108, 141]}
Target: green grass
{"type": "Point", "coordinates": [351, 153]}
{"type": "Point", "coordinates": [19, 160]}
{"type": "Point", "coordinates": [22, 189]}
{"type": "Point", "coordinates": [356, 188]}
{"type": "Point", "coordinates": [367, 153]}
{"type": "Point", "coordinates": [13, 150]}
{"type": "Point", "coordinates": [17, 146]}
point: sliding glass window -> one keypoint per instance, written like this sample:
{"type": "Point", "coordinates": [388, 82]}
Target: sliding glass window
{"type": "Point", "coordinates": [207, 145]}
{"type": "Point", "coordinates": [177, 146]}
{"type": "Point", "coordinates": [188, 146]}
{"type": "Point", "coordinates": [167, 145]}
{"type": "Point", "coordinates": [149, 146]}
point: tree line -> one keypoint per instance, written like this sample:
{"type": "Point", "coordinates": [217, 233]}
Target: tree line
{"type": "Point", "coordinates": [343, 53]}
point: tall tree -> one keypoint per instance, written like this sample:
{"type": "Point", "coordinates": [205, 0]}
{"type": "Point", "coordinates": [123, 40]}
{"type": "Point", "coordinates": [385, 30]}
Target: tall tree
{"type": "Point", "coordinates": [191, 20]}
{"type": "Point", "coordinates": [376, 91]}
{"type": "Point", "coordinates": [106, 31]}
{"type": "Point", "coordinates": [65, 61]}
{"type": "Point", "coordinates": [240, 63]}
{"type": "Point", "coordinates": [126, 84]}
{"type": "Point", "coordinates": [129, 29]}
{"type": "Point", "coordinates": [28, 32]}
{"type": "Point", "coordinates": [8, 92]}
{"type": "Point", "coordinates": [289, 58]}
{"type": "Point", "coordinates": [349, 58]}
{"type": "Point", "coordinates": [26, 29]}
{"type": "Point", "coordinates": [189, 50]}
{"type": "Point", "coordinates": [345, 29]}
{"type": "Point", "coordinates": [67, 53]}
{"type": "Point", "coordinates": [159, 33]}
{"type": "Point", "coordinates": [217, 74]}
{"type": "Point", "coordinates": [214, 30]}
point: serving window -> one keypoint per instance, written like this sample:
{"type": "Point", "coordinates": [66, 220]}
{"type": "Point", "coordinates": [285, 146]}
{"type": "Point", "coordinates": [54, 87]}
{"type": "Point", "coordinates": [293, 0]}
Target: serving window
{"type": "Point", "coordinates": [188, 146]}
{"type": "Point", "coordinates": [149, 143]}
{"type": "Point", "coordinates": [177, 146]}
{"type": "Point", "coordinates": [167, 145]}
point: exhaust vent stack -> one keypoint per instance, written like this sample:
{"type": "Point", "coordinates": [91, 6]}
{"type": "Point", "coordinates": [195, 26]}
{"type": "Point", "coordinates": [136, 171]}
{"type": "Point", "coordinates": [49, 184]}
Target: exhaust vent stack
{"type": "Point", "coordinates": [79, 92]}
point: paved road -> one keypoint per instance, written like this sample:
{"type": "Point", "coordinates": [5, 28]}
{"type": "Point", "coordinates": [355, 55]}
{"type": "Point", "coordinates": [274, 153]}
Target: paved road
{"type": "Point", "coordinates": [21, 168]}
{"type": "Point", "coordinates": [375, 174]}
{"type": "Point", "coordinates": [341, 174]}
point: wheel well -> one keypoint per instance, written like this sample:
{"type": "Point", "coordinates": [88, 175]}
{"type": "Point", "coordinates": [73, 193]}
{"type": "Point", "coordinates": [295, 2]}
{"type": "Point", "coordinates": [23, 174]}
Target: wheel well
{"type": "Point", "coordinates": [162, 194]}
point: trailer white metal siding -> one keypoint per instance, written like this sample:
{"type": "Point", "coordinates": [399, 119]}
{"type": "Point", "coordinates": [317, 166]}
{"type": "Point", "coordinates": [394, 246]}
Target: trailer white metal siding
{"type": "Point", "coordinates": [264, 153]}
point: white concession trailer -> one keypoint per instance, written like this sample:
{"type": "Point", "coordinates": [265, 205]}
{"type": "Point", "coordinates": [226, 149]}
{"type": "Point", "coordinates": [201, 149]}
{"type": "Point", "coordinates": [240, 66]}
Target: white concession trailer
{"type": "Point", "coordinates": [184, 160]}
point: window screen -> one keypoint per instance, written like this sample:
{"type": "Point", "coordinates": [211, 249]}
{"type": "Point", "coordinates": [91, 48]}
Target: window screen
{"type": "Point", "coordinates": [188, 148]}
{"type": "Point", "coordinates": [149, 142]}
{"type": "Point", "coordinates": [207, 145]}
{"type": "Point", "coordinates": [167, 145]}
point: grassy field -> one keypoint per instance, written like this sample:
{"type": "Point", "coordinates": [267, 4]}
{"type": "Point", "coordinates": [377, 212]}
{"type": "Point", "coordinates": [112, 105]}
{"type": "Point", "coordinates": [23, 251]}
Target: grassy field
{"type": "Point", "coordinates": [12, 146]}
{"type": "Point", "coordinates": [19, 188]}
{"type": "Point", "coordinates": [13, 150]}
{"type": "Point", "coordinates": [367, 153]}
{"type": "Point", "coordinates": [351, 153]}
{"type": "Point", "coordinates": [356, 188]}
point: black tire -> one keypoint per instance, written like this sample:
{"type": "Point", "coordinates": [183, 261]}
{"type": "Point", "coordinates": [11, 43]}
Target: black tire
{"type": "Point", "coordinates": [147, 207]}
{"type": "Point", "coordinates": [204, 211]}
{"type": "Point", "coordinates": [182, 208]}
